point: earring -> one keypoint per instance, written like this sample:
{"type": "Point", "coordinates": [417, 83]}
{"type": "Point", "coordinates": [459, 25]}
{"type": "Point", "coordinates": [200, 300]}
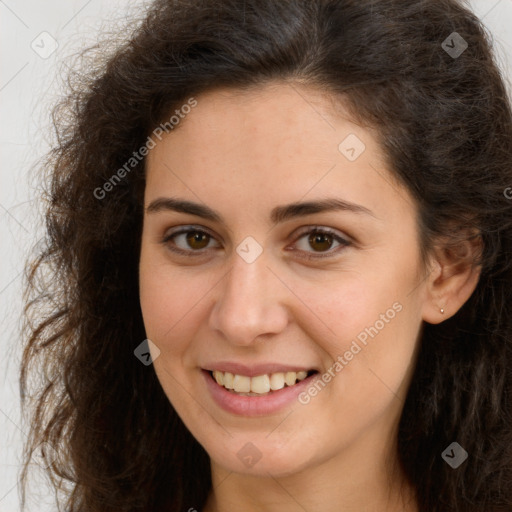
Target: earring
{"type": "Point", "coordinates": [442, 311]}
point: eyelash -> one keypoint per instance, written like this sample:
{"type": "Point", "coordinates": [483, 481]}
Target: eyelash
{"type": "Point", "coordinates": [309, 256]}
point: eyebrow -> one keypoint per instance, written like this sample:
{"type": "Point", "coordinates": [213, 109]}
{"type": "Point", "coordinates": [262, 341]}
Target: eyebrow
{"type": "Point", "coordinates": [277, 215]}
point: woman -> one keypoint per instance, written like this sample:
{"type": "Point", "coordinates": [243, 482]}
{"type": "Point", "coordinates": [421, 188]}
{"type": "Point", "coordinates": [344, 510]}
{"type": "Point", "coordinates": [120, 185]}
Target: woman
{"type": "Point", "coordinates": [278, 265]}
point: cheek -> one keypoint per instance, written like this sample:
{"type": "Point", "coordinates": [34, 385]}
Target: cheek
{"type": "Point", "coordinates": [369, 361]}
{"type": "Point", "coordinates": [170, 304]}
{"type": "Point", "coordinates": [371, 322]}
{"type": "Point", "coordinates": [167, 298]}
{"type": "Point", "coordinates": [343, 308]}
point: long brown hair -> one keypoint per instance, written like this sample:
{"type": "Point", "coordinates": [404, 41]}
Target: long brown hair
{"type": "Point", "coordinates": [445, 123]}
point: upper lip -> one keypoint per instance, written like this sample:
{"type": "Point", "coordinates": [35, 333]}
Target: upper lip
{"type": "Point", "coordinates": [255, 369]}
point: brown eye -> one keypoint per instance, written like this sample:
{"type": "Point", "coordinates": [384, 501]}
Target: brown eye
{"type": "Point", "coordinates": [197, 239]}
{"type": "Point", "coordinates": [320, 241]}
{"type": "Point", "coordinates": [189, 242]}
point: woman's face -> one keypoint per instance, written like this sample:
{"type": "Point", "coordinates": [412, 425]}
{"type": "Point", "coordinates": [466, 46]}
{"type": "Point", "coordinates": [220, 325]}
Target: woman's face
{"type": "Point", "coordinates": [254, 288]}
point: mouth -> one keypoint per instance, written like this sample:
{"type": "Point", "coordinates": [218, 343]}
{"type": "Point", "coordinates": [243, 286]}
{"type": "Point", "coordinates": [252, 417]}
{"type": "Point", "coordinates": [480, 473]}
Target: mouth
{"type": "Point", "coordinates": [260, 385]}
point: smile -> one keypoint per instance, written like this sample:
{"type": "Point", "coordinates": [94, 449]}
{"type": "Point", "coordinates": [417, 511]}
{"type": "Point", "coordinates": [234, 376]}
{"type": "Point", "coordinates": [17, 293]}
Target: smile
{"type": "Point", "coordinates": [259, 385]}
{"type": "Point", "coordinates": [259, 395]}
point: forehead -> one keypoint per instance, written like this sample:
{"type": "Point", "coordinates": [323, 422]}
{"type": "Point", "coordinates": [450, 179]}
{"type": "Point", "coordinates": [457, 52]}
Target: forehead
{"type": "Point", "coordinates": [269, 145]}
{"type": "Point", "coordinates": [282, 116]}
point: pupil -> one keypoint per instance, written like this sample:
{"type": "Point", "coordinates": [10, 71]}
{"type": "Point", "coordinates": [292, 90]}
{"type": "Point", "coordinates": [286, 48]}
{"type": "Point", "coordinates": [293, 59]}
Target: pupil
{"type": "Point", "coordinates": [197, 237]}
{"type": "Point", "coordinates": [320, 238]}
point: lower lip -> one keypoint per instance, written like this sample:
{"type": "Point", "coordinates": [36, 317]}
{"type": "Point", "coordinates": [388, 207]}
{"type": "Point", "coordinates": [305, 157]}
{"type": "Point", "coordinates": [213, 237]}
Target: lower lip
{"type": "Point", "coordinates": [254, 405]}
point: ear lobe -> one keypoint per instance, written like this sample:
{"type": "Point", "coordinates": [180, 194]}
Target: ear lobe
{"type": "Point", "coordinates": [452, 281]}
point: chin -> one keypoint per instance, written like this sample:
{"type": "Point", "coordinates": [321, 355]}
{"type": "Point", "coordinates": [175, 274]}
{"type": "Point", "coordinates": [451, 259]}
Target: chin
{"type": "Point", "coordinates": [261, 458]}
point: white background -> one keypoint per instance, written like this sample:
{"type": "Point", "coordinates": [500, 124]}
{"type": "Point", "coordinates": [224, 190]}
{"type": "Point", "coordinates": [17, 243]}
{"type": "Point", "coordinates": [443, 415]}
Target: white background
{"type": "Point", "coordinates": [27, 91]}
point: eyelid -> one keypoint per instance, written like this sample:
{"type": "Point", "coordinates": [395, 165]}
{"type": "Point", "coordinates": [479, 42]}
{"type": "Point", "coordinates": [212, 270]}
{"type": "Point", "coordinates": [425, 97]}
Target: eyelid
{"type": "Point", "coordinates": [186, 229]}
{"type": "Point", "coordinates": [311, 255]}
{"type": "Point", "coordinates": [342, 240]}
{"type": "Point", "coordinates": [322, 229]}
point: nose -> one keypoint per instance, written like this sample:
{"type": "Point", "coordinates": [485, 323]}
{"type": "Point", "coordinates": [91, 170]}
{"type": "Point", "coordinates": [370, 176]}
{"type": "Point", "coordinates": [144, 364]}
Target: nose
{"type": "Point", "coordinates": [249, 302]}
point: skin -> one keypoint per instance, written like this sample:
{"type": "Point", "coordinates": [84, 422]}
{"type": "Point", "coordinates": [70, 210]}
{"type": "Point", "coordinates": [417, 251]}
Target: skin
{"type": "Point", "coordinates": [243, 153]}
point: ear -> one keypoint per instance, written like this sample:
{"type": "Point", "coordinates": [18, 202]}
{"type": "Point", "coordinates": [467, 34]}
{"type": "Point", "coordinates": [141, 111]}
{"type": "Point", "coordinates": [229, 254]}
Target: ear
{"type": "Point", "coordinates": [455, 274]}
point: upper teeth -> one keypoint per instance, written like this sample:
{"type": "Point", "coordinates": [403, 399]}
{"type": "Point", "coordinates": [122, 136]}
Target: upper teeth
{"type": "Point", "coordinates": [258, 384]}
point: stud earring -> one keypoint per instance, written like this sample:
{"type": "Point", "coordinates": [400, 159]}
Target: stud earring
{"type": "Point", "coordinates": [442, 311]}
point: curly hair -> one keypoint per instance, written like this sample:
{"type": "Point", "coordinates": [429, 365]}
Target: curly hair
{"type": "Point", "coordinates": [445, 124]}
